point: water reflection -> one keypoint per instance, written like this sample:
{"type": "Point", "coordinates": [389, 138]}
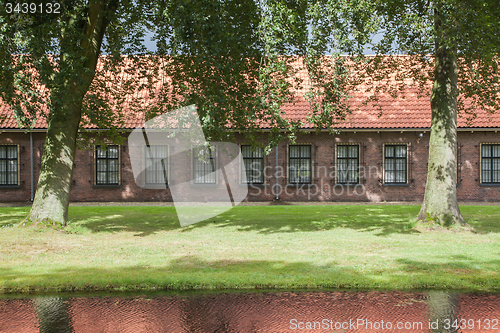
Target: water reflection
{"type": "Point", "coordinates": [434, 311]}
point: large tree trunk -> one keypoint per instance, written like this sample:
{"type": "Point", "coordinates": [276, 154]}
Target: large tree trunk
{"type": "Point", "coordinates": [443, 311]}
{"type": "Point", "coordinates": [54, 184]}
{"type": "Point", "coordinates": [78, 61]}
{"type": "Point", "coordinates": [440, 201]}
{"type": "Point", "coordinates": [52, 314]}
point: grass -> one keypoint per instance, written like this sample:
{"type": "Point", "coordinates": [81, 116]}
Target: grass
{"type": "Point", "coordinates": [268, 247]}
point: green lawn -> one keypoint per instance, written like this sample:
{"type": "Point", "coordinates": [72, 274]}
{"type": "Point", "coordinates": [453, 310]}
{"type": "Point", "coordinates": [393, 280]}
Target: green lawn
{"type": "Point", "coordinates": [288, 246]}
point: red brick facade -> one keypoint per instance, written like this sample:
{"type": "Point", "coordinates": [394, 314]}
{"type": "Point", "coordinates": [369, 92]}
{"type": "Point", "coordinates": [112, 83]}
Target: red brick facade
{"type": "Point", "coordinates": [324, 187]}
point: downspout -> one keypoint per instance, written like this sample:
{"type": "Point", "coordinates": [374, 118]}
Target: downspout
{"type": "Point", "coordinates": [31, 162]}
{"type": "Point", "coordinates": [277, 185]}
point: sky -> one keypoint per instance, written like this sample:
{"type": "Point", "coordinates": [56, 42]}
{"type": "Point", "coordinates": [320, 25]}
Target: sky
{"type": "Point", "coordinates": [151, 45]}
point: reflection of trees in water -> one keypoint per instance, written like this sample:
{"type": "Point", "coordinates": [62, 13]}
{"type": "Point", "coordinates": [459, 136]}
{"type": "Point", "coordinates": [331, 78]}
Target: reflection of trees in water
{"type": "Point", "coordinates": [443, 310]}
{"type": "Point", "coordinates": [218, 314]}
{"type": "Point", "coordinates": [198, 316]}
{"type": "Point", "coordinates": [52, 313]}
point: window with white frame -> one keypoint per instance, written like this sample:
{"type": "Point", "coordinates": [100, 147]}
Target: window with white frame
{"type": "Point", "coordinates": [107, 165]}
{"type": "Point", "coordinates": [204, 165]}
{"type": "Point", "coordinates": [156, 171]}
{"type": "Point", "coordinates": [395, 163]}
{"type": "Point", "coordinates": [347, 164]}
{"type": "Point", "coordinates": [299, 164]}
{"type": "Point", "coordinates": [490, 163]}
{"type": "Point", "coordinates": [253, 162]}
{"type": "Point", "coordinates": [9, 173]}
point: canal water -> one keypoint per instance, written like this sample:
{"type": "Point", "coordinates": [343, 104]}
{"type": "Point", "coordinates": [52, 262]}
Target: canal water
{"type": "Point", "coordinates": [332, 311]}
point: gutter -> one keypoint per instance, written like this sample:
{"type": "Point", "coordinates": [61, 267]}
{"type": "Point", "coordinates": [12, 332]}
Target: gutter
{"type": "Point", "coordinates": [31, 162]}
{"type": "Point", "coordinates": [276, 175]}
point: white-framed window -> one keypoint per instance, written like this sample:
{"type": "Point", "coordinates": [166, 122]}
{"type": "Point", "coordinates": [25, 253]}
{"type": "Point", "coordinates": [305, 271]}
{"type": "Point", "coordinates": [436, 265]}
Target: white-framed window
{"type": "Point", "coordinates": [253, 161]}
{"type": "Point", "coordinates": [490, 163]}
{"type": "Point", "coordinates": [347, 163]}
{"type": "Point", "coordinates": [107, 165]}
{"type": "Point", "coordinates": [395, 163]}
{"type": "Point", "coordinates": [300, 164]}
{"type": "Point", "coordinates": [9, 165]}
{"type": "Point", "coordinates": [205, 165]}
{"type": "Point", "coordinates": [157, 165]}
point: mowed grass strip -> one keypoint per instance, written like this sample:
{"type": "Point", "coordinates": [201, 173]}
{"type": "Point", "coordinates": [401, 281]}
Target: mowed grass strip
{"type": "Point", "coordinates": [278, 247]}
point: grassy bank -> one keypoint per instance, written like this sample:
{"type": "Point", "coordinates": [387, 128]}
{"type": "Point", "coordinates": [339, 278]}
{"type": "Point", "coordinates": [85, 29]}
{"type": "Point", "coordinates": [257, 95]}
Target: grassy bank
{"type": "Point", "coordinates": [345, 246]}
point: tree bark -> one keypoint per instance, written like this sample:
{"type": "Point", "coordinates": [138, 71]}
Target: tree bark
{"type": "Point", "coordinates": [440, 200]}
{"type": "Point", "coordinates": [52, 314]}
{"type": "Point", "coordinates": [78, 61]}
{"type": "Point", "coordinates": [443, 311]}
{"type": "Point", "coordinates": [54, 183]}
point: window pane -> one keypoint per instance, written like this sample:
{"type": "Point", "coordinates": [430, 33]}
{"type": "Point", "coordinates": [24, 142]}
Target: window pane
{"type": "Point", "coordinates": [113, 177]}
{"type": "Point", "coordinates": [341, 151]}
{"type": "Point", "coordinates": [253, 161]}
{"type": "Point", "coordinates": [12, 152]}
{"type": "Point", "coordinates": [101, 153]}
{"type": "Point", "coordinates": [306, 151]}
{"type": "Point", "coordinates": [496, 176]}
{"type": "Point", "coordinates": [101, 165]}
{"type": "Point", "coordinates": [389, 176]}
{"type": "Point", "coordinates": [113, 151]}
{"type": "Point", "coordinates": [107, 165]}
{"type": "Point", "coordinates": [3, 172]}
{"type": "Point", "coordinates": [389, 151]}
{"type": "Point", "coordinates": [400, 151]}
{"type": "Point", "coordinates": [101, 177]}
{"type": "Point", "coordinates": [246, 151]}
{"type": "Point", "coordinates": [395, 163]}
{"type": "Point", "coordinates": [388, 164]}
{"type": "Point", "coordinates": [156, 164]}
{"type": "Point", "coordinates": [204, 166]}
{"type": "Point", "coordinates": [113, 165]}
{"type": "Point", "coordinates": [496, 151]}
{"type": "Point", "coordinates": [353, 151]}
{"type": "Point", "coordinates": [400, 164]}
{"type": "Point", "coordinates": [299, 164]}
{"type": "Point", "coordinates": [490, 163]}
{"type": "Point", "coordinates": [486, 177]}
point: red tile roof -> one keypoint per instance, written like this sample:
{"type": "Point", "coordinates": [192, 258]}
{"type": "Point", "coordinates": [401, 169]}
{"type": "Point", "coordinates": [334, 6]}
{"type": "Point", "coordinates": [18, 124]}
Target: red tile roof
{"type": "Point", "coordinates": [408, 111]}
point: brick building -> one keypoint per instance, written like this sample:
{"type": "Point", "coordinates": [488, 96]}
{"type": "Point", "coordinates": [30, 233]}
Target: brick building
{"type": "Point", "coordinates": [374, 158]}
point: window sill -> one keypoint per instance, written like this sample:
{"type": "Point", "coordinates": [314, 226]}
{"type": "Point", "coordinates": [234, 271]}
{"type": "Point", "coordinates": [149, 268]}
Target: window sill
{"type": "Point", "coordinates": [253, 185]}
{"type": "Point", "coordinates": [348, 184]}
{"type": "Point", "coordinates": [154, 186]}
{"type": "Point", "coordinates": [396, 185]}
{"type": "Point", "coordinates": [205, 184]}
{"type": "Point", "coordinates": [489, 184]}
{"type": "Point", "coordinates": [301, 185]}
{"type": "Point", "coordinates": [106, 186]}
{"type": "Point", "coordinates": [9, 186]}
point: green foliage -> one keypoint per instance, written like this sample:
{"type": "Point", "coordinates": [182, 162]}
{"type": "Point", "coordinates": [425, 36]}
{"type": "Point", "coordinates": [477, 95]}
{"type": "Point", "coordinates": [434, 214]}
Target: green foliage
{"type": "Point", "coordinates": [49, 59]}
{"type": "Point", "coordinates": [236, 60]}
{"type": "Point", "coordinates": [470, 27]}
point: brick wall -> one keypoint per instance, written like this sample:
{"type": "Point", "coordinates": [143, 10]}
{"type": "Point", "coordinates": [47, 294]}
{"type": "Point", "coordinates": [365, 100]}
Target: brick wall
{"type": "Point", "coordinates": [323, 187]}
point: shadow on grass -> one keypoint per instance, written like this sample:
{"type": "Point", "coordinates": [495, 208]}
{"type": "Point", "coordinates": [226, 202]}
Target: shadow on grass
{"type": "Point", "coordinates": [191, 272]}
{"type": "Point", "coordinates": [10, 216]}
{"type": "Point", "coordinates": [382, 220]}
{"type": "Point", "coordinates": [145, 220]}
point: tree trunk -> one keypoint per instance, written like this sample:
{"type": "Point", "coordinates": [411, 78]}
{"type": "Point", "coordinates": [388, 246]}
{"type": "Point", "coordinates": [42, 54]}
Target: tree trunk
{"type": "Point", "coordinates": [440, 201]}
{"type": "Point", "coordinates": [81, 40]}
{"type": "Point", "coordinates": [443, 311]}
{"type": "Point", "coordinates": [54, 183]}
{"type": "Point", "coordinates": [52, 314]}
